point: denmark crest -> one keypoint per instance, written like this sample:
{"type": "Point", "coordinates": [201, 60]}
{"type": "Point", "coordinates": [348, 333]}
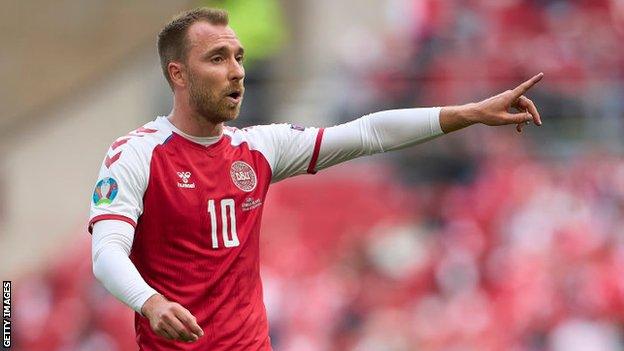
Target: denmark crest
{"type": "Point", "coordinates": [243, 176]}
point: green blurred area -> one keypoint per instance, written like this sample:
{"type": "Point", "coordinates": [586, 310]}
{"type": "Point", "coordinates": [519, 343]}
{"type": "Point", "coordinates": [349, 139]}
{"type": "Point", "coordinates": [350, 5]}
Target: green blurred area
{"type": "Point", "coordinates": [259, 25]}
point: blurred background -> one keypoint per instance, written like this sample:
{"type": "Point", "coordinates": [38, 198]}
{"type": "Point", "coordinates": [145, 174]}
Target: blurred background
{"type": "Point", "coordinates": [482, 240]}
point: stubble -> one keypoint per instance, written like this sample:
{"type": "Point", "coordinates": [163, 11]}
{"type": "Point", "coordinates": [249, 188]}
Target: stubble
{"type": "Point", "coordinates": [210, 104]}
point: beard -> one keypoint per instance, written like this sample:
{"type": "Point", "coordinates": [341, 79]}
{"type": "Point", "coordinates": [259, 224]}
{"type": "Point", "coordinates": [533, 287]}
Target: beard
{"type": "Point", "coordinates": [211, 104]}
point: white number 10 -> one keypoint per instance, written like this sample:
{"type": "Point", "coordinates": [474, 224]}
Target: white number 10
{"type": "Point", "coordinates": [227, 205]}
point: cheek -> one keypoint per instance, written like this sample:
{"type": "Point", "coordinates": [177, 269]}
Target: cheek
{"type": "Point", "coordinates": [211, 86]}
{"type": "Point", "coordinates": [211, 75]}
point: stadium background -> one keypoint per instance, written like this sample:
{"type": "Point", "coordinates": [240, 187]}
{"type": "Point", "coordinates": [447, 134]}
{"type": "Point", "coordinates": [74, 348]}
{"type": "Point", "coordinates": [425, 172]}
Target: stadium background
{"type": "Point", "coordinates": [482, 240]}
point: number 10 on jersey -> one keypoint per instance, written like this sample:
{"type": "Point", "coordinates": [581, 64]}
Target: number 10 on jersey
{"type": "Point", "coordinates": [230, 238]}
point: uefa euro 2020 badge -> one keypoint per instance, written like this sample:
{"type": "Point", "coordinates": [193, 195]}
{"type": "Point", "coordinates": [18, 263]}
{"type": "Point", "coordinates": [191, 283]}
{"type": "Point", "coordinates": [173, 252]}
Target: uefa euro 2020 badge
{"type": "Point", "coordinates": [105, 191]}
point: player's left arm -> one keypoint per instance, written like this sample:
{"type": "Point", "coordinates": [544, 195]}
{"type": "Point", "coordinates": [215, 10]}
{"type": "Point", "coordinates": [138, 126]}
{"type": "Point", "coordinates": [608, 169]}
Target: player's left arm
{"type": "Point", "coordinates": [291, 150]}
{"type": "Point", "coordinates": [396, 129]}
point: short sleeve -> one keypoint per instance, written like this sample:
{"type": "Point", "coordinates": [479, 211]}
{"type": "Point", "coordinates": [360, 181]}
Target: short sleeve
{"type": "Point", "coordinates": [121, 183]}
{"type": "Point", "coordinates": [290, 150]}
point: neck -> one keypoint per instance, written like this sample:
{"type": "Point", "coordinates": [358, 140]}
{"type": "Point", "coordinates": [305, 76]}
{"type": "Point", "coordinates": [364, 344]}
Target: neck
{"type": "Point", "coordinates": [190, 122]}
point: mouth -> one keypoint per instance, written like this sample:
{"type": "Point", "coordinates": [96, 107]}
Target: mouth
{"type": "Point", "coordinates": [235, 96]}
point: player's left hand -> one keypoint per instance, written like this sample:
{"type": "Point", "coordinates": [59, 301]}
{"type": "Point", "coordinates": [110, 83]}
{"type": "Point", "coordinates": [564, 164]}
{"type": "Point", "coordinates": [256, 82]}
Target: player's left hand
{"type": "Point", "coordinates": [495, 110]}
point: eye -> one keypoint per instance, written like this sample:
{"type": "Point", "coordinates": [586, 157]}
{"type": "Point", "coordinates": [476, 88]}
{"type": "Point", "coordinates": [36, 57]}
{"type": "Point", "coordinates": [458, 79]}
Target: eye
{"type": "Point", "coordinates": [240, 59]}
{"type": "Point", "coordinates": [216, 59]}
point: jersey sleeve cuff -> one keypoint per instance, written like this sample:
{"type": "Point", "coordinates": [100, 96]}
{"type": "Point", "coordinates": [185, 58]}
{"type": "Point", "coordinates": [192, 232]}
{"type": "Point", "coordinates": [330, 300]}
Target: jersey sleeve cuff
{"type": "Point", "coordinates": [141, 299]}
{"type": "Point", "coordinates": [315, 153]}
{"type": "Point", "coordinates": [434, 121]}
{"type": "Point", "coordinates": [109, 216]}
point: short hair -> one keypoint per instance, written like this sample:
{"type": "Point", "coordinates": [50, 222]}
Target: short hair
{"type": "Point", "coordinates": [172, 40]}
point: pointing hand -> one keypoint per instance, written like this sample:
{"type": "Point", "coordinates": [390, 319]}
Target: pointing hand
{"type": "Point", "coordinates": [494, 111]}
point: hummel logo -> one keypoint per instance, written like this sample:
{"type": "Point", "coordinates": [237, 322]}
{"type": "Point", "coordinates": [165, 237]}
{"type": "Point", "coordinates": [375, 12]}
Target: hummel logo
{"type": "Point", "coordinates": [184, 176]}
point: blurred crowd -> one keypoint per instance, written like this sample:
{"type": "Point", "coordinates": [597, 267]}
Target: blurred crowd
{"type": "Point", "coordinates": [439, 52]}
{"type": "Point", "coordinates": [526, 254]}
{"type": "Point", "coordinates": [529, 256]}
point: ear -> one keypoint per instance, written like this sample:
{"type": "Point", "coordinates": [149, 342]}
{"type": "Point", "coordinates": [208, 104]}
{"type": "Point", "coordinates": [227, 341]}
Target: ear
{"type": "Point", "coordinates": [177, 73]}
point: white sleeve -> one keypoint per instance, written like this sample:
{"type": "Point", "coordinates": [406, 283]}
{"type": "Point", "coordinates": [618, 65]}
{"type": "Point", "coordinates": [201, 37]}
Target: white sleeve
{"type": "Point", "coordinates": [378, 132]}
{"type": "Point", "coordinates": [110, 247]}
{"type": "Point", "coordinates": [289, 149]}
{"type": "Point", "coordinates": [122, 181]}
{"type": "Point", "coordinates": [292, 150]}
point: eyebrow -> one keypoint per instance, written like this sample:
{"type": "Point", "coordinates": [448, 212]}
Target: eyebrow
{"type": "Point", "coordinates": [222, 50]}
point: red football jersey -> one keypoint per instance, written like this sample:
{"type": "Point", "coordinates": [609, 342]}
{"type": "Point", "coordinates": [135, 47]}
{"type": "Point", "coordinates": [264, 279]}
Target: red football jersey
{"type": "Point", "coordinates": [197, 212]}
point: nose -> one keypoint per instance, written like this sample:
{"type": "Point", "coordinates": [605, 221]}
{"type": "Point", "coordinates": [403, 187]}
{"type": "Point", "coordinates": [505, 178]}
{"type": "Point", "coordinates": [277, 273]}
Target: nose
{"type": "Point", "coordinates": [237, 71]}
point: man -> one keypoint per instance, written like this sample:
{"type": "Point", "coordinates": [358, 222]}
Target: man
{"type": "Point", "coordinates": [176, 211]}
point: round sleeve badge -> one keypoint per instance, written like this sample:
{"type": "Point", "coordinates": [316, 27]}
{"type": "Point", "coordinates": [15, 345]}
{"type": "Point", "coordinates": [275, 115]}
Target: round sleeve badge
{"type": "Point", "coordinates": [243, 176]}
{"type": "Point", "coordinates": [105, 191]}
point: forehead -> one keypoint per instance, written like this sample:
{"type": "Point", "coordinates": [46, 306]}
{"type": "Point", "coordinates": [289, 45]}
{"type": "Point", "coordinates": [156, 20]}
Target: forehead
{"type": "Point", "coordinates": [204, 36]}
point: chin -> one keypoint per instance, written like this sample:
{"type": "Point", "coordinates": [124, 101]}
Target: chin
{"type": "Point", "coordinates": [223, 115]}
{"type": "Point", "coordinates": [230, 118]}
{"type": "Point", "coordinates": [231, 115]}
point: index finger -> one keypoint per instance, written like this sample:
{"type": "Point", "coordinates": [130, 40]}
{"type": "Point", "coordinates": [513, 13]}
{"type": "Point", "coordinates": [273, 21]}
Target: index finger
{"type": "Point", "coordinates": [524, 87]}
{"type": "Point", "coordinates": [189, 321]}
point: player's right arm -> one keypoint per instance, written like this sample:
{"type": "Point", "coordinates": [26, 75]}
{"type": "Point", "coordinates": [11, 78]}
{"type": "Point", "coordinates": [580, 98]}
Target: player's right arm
{"type": "Point", "coordinates": [111, 244]}
{"type": "Point", "coordinates": [116, 205]}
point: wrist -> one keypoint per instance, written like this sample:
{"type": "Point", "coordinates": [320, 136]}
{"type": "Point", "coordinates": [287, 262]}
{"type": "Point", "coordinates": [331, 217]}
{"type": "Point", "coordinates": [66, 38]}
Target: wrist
{"type": "Point", "coordinates": [150, 304]}
{"type": "Point", "coordinates": [453, 118]}
{"type": "Point", "coordinates": [469, 113]}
